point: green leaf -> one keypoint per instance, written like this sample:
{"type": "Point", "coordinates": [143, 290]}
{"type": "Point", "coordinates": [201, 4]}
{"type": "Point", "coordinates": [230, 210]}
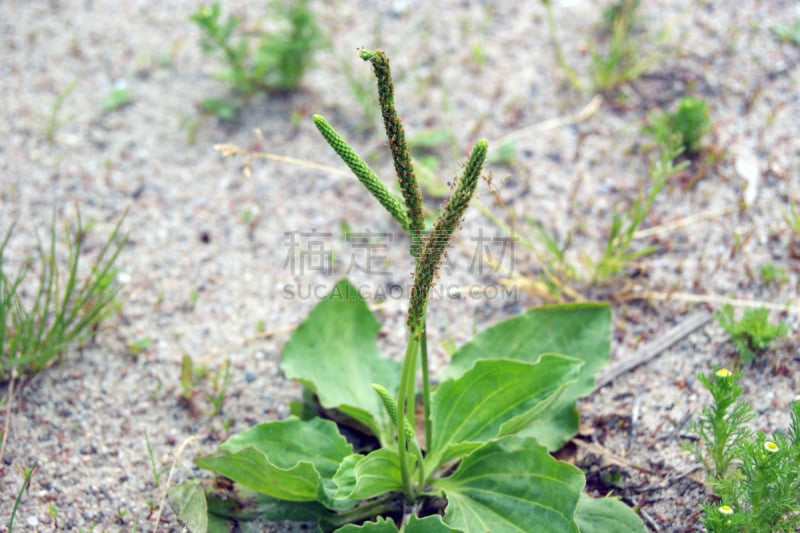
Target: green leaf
{"type": "Point", "coordinates": [243, 504]}
{"type": "Point", "coordinates": [189, 502]}
{"type": "Point", "coordinates": [118, 97]}
{"type": "Point", "coordinates": [383, 525]}
{"type": "Point", "coordinates": [291, 441]}
{"type": "Point", "coordinates": [429, 524]}
{"type": "Point", "coordinates": [333, 352]}
{"type": "Point", "coordinates": [286, 459]}
{"type": "Point", "coordinates": [600, 515]}
{"type": "Point", "coordinates": [582, 331]}
{"type": "Point", "coordinates": [492, 393]}
{"type": "Point", "coordinates": [509, 485]}
{"type": "Point", "coordinates": [217, 524]}
{"type": "Point", "coordinates": [369, 476]}
{"type": "Point", "coordinates": [251, 468]}
{"type": "Point", "coordinates": [345, 477]}
{"type": "Point", "coordinates": [788, 32]}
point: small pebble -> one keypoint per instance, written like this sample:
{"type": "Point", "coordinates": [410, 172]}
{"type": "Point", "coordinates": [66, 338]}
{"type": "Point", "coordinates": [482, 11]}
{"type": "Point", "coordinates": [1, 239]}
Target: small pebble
{"type": "Point", "coordinates": [32, 521]}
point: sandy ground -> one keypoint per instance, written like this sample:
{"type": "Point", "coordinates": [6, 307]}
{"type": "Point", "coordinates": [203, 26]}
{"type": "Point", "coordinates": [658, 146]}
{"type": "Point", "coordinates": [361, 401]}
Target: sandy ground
{"type": "Point", "coordinates": [209, 261]}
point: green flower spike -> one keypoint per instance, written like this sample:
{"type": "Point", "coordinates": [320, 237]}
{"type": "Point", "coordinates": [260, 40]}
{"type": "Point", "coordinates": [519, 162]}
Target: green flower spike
{"type": "Point", "coordinates": [362, 171]}
{"type": "Point", "coordinates": [397, 142]}
{"type": "Point", "coordinates": [438, 239]}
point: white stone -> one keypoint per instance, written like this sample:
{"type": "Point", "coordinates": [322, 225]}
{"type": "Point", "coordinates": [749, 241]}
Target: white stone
{"type": "Point", "coordinates": [747, 168]}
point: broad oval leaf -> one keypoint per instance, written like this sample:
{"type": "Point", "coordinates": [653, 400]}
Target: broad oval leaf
{"type": "Point", "coordinates": [600, 515]}
{"type": "Point", "coordinates": [290, 441]}
{"type": "Point", "coordinates": [371, 475]}
{"type": "Point", "coordinates": [512, 484]}
{"type": "Point", "coordinates": [493, 392]}
{"type": "Point", "coordinates": [286, 459]}
{"type": "Point", "coordinates": [251, 468]}
{"type": "Point", "coordinates": [580, 330]}
{"type": "Point", "coordinates": [333, 352]}
{"type": "Point", "coordinates": [345, 477]}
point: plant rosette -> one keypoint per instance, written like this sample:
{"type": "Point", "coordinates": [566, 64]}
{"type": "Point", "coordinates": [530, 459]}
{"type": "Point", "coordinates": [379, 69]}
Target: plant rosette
{"type": "Point", "coordinates": [483, 464]}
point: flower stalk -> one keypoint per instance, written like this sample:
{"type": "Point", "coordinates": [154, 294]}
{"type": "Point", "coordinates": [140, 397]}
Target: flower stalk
{"type": "Point", "coordinates": [397, 143]}
{"type": "Point", "coordinates": [363, 172]}
{"type": "Point", "coordinates": [427, 249]}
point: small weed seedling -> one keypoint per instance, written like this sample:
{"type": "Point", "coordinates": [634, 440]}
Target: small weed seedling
{"type": "Point", "coordinates": [564, 278]}
{"type": "Point", "coordinates": [27, 474]}
{"type": "Point", "coordinates": [793, 219]}
{"type": "Point", "coordinates": [690, 121]}
{"type": "Point", "coordinates": [276, 62]}
{"type": "Point", "coordinates": [573, 76]}
{"type": "Point", "coordinates": [63, 310]}
{"type": "Point", "coordinates": [617, 252]}
{"type": "Point", "coordinates": [118, 97]}
{"type": "Point", "coordinates": [751, 333]}
{"type": "Point", "coordinates": [191, 378]}
{"type": "Point", "coordinates": [138, 347]}
{"type": "Point", "coordinates": [755, 478]}
{"type": "Point", "coordinates": [474, 459]}
{"type": "Point", "coordinates": [620, 12]}
{"type": "Point", "coordinates": [52, 512]}
{"type": "Point", "coordinates": [53, 123]}
{"type": "Point", "coordinates": [770, 273]}
{"type": "Point", "coordinates": [154, 471]}
{"type": "Point", "coordinates": [219, 386]}
{"type": "Point", "coordinates": [789, 33]}
{"type": "Point", "coordinates": [621, 62]}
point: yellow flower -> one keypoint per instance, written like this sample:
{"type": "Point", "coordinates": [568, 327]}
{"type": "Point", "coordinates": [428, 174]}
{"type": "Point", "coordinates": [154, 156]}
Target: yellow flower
{"type": "Point", "coordinates": [771, 447]}
{"type": "Point", "coordinates": [725, 509]}
{"type": "Point", "coordinates": [723, 373]}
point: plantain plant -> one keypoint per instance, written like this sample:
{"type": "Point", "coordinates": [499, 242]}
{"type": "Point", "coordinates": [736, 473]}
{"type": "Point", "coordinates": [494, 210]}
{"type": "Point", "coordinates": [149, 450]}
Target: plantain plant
{"type": "Point", "coordinates": [363, 452]}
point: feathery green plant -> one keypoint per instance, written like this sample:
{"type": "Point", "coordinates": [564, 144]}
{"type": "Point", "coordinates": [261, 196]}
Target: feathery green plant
{"type": "Point", "coordinates": [690, 121]}
{"type": "Point", "coordinates": [755, 478]}
{"type": "Point", "coordinates": [752, 333]}
{"type": "Point", "coordinates": [722, 428]}
{"type": "Point", "coordinates": [63, 310]}
{"type": "Point", "coordinates": [506, 399]}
